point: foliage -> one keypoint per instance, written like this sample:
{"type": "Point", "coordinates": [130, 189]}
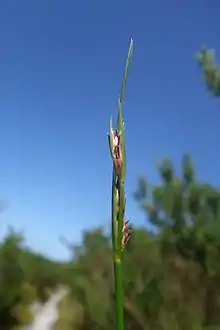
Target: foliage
{"type": "Point", "coordinates": [24, 278]}
{"type": "Point", "coordinates": [171, 271]}
{"type": "Point", "coordinates": [68, 310]}
{"type": "Point", "coordinates": [211, 71]}
{"type": "Point", "coordinates": [171, 266]}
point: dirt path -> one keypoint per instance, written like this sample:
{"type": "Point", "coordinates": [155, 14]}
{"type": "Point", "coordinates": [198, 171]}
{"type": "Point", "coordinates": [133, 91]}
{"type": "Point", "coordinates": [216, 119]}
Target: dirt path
{"type": "Point", "coordinates": [47, 315]}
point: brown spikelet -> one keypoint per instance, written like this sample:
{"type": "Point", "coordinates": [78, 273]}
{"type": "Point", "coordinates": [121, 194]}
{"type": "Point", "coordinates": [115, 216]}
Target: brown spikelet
{"type": "Point", "coordinates": [126, 232]}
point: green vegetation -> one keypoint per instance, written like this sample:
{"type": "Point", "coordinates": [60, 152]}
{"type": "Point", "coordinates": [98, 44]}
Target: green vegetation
{"type": "Point", "coordinates": [24, 278]}
{"type": "Point", "coordinates": [70, 314]}
{"type": "Point", "coordinates": [171, 267]}
{"type": "Point", "coordinates": [120, 229]}
{"type": "Point", "coordinates": [171, 272]}
{"type": "Point", "coordinates": [211, 71]}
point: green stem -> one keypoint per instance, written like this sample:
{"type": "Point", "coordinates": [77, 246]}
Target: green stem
{"type": "Point", "coordinates": [119, 309]}
{"type": "Point", "coordinates": [120, 217]}
{"type": "Point", "coordinates": [119, 206]}
{"type": "Point", "coordinates": [114, 213]}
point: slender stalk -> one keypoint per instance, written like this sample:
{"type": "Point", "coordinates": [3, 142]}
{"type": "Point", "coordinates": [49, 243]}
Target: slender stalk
{"type": "Point", "coordinates": [119, 295]}
{"type": "Point", "coordinates": [121, 231]}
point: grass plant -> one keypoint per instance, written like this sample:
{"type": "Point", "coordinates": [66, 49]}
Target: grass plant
{"type": "Point", "coordinates": [121, 228]}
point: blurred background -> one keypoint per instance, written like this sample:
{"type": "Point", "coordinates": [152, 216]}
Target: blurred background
{"type": "Point", "coordinates": [61, 65]}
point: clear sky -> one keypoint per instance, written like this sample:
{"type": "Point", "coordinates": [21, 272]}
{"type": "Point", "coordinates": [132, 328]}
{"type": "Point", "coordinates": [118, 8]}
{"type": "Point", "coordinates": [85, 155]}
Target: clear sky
{"type": "Point", "coordinates": [61, 64]}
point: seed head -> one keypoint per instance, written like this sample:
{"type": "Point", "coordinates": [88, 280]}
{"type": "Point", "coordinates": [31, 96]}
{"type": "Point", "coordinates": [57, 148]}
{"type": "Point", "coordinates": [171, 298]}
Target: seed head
{"type": "Point", "coordinates": [126, 232]}
{"type": "Point", "coordinates": [115, 148]}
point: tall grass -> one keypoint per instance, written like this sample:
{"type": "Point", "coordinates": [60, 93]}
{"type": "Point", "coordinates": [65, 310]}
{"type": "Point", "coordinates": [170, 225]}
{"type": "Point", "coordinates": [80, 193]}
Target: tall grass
{"type": "Point", "coordinates": [121, 229]}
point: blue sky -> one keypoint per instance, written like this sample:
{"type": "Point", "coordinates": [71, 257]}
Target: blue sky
{"type": "Point", "coordinates": [61, 64]}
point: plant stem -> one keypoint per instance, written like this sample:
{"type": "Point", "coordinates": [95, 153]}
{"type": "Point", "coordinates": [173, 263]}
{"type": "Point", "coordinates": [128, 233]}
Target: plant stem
{"type": "Point", "coordinates": [117, 147]}
{"type": "Point", "coordinates": [119, 306]}
{"type": "Point", "coordinates": [114, 212]}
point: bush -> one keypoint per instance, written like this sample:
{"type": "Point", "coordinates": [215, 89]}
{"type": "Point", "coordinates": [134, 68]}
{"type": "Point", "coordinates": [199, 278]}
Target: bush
{"type": "Point", "coordinates": [24, 278]}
